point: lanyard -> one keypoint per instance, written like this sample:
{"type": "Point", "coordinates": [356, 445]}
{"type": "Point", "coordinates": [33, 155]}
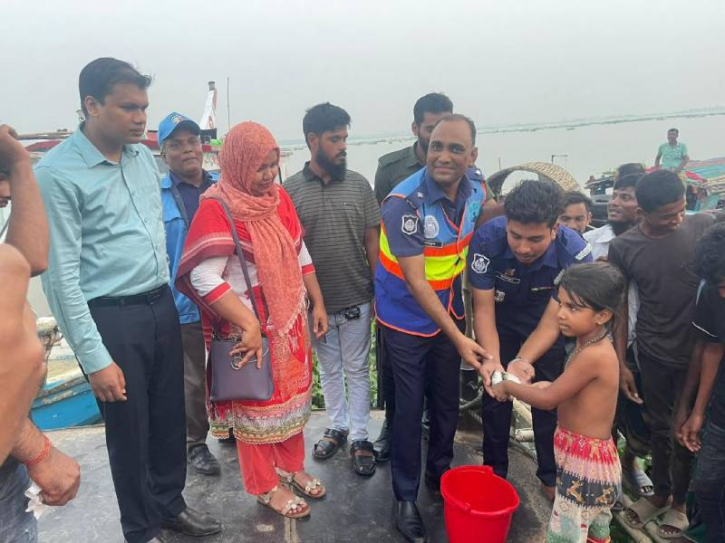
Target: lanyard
{"type": "Point", "coordinates": [180, 203]}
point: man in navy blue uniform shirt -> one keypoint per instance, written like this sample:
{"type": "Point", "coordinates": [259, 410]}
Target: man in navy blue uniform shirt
{"type": "Point", "coordinates": [515, 263]}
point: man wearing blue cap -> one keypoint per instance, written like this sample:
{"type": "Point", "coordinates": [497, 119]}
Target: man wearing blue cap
{"type": "Point", "coordinates": [181, 149]}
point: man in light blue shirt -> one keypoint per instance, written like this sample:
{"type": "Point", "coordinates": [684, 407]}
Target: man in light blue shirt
{"type": "Point", "coordinates": [672, 155]}
{"type": "Point", "coordinates": [107, 284]}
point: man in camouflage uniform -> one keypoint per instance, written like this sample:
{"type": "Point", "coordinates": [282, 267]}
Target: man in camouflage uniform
{"type": "Point", "coordinates": [398, 165]}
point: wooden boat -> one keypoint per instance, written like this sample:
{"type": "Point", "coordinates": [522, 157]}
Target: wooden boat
{"type": "Point", "coordinates": [66, 399]}
{"type": "Point", "coordinates": [42, 142]}
{"type": "Point", "coordinates": [705, 188]}
{"type": "Point", "coordinates": [46, 142]}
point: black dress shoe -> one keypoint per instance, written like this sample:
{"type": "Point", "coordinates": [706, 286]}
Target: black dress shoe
{"type": "Point", "coordinates": [201, 459]}
{"type": "Point", "coordinates": [382, 445]}
{"type": "Point", "coordinates": [194, 523]}
{"type": "Point", "coordinates": [409, 523]}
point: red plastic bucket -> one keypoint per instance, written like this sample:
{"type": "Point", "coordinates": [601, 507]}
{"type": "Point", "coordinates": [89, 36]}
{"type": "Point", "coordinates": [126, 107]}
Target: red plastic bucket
{"type": "Point", "coordinates": [478, 505]}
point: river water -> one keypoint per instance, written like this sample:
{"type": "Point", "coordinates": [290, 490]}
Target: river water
{"type": "Point", "coordinates": [588, 150]}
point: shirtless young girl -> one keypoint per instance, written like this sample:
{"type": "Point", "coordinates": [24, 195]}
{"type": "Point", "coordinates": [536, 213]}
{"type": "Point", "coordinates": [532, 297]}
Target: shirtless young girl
{"type": "Point", "coordinates": [588, 469]}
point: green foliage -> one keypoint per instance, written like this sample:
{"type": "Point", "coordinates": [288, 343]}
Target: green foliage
{"type": "Point", "coordinates": [318, 400]}
{"type": "Point", "coordinates": [618, 534]}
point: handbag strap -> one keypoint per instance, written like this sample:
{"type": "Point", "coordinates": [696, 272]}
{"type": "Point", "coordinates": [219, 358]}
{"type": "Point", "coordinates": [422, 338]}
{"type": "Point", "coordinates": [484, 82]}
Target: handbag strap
{"type": "Point", "coordinates": [242, 259]}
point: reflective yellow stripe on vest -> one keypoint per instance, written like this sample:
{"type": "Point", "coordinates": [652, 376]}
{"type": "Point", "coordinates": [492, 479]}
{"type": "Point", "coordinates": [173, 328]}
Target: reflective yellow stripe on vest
{"type": "Point", "coordinates": [442, 264]}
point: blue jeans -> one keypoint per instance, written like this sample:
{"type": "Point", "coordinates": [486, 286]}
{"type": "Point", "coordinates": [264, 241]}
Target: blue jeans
{"type": "Point", "coordinates": [343, 354]}
{"type": "Point", "coordinates": [710, 482]}
{"type": "Point", "coordinates": [17, 525]}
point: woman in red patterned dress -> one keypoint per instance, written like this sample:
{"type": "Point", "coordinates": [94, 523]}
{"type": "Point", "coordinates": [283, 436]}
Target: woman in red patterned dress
{"type": "Point", "coordinates": [270, 442]}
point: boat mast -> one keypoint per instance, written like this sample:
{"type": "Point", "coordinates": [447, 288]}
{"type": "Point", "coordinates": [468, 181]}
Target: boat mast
{"type": "Point", "coordinates": [208, 119]}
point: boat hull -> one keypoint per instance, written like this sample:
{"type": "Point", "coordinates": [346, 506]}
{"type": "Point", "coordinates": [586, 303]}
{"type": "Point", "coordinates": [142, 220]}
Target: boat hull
{"type": "Point", "coordinates": [66, 404]}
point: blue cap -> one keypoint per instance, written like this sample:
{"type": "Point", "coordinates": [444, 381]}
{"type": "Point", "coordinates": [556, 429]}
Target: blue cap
{"type": "Point", "coordinates": [173, 121]}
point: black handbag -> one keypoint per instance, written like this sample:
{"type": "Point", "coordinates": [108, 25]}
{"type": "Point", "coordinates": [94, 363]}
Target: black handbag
{"type": "Point", "coordinates": [230, 380]}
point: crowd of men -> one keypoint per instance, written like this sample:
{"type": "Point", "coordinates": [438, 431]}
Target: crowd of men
{"type": "Point", "coordinates": [395, 253]}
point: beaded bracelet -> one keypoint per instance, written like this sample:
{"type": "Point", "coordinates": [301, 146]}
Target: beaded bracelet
{"type": "Point", "coordinates": [43, 455]}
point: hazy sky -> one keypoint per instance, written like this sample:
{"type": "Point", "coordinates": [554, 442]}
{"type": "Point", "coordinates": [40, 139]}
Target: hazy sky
{"type": "Point", "coordinates": [501, 61]}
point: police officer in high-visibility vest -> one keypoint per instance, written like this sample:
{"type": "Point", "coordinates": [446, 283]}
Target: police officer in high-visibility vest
{"type": "Point", "coordinates": [428, 221]}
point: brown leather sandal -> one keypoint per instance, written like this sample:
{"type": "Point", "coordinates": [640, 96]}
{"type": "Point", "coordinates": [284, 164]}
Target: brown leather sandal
{"type": "Point", "coordinates": [314, 484]}
{"type": "Point", "coordinates": [294, 508]}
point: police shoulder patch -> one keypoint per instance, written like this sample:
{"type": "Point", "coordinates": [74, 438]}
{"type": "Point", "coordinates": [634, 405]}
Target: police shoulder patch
{"type": "Point", "coordinates": [409, 225]}
{"type": "Point", "coordinates": [480, 263]}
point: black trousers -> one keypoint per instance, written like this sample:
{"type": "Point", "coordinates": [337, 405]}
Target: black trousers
{"type": "Point", "coordinates": [497, 416]}
{"type": "Point", "coordinates": [197, 420]}
{"type": "Point", "coordinates": [146, 435]}
{"type": "Point", "coordinates": [630, 418]}
{"type": "Point", "coordinates": [671, 462]}
{"type": "Point", "coordinates": [419, 364]}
